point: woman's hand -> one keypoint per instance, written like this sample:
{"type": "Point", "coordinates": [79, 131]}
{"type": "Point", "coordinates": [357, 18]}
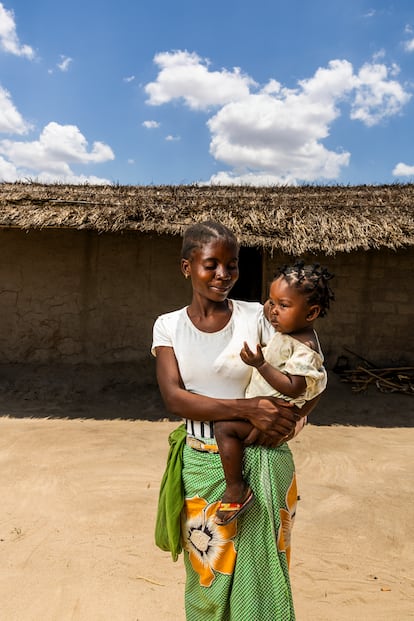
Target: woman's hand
{"type": "Point", "coordinates": [273, 421]}
{"type": "Point", "coordinates": [281, 427]}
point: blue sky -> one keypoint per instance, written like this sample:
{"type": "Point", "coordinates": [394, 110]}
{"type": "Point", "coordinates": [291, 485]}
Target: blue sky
{"type": "Point", "coordinates": [224, 92]}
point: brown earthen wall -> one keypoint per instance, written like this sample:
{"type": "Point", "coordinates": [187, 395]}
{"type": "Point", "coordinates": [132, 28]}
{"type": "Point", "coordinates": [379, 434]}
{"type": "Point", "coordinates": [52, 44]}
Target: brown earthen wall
{"type": "Point", "coordinates": [71, 297]}
{"type": "Point", "coordinates": [373, 311]}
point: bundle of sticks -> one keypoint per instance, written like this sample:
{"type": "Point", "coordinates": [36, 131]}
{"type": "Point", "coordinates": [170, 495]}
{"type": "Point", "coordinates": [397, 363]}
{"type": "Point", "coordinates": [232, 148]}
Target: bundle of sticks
{"type": "Point", "coordinates": [386, 379]}
{"type": "Point", "coordinates": [392, 379]}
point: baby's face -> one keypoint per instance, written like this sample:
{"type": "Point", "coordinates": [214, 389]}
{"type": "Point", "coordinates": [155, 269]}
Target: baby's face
{"type": "Point", "coordinates": [288, 309]}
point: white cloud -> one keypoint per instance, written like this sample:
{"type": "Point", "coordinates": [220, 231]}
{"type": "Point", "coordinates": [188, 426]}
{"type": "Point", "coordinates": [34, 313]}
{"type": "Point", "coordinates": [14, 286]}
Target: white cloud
{"type": "Point", "coordinates": [9, 40]}
{"type": "Point", "coordinates": [275, 138]}
{"type": "Point", "coordinates": [376, 96]}
{"type": "Point", "coordinates": [379, 55]}
{"type": "Point", "coordinates": [150, 124]}
{"type": "Point", "coordinates": [70, 178]}
{"type": "Point", "coordinates": [8, 172]}
{"type": "Point", "coordinates": [186, 76]}
{"type": "Point", "coordinates": [274, 134]}
{"type": "Point", "coordinates": [403, 170]}
{"type": "Point", "coordinates": [65, 62]}
{"type": "Point", "coordinates": [394, 70]}
{"type": "Point", "coordinates": [48, 159]}
{"type": "Point", "coordinates": [129, 78]}
{"type": "Point", "coordinates": [171, 138]}
{"type": "Point", "coordinates": [11, 121]}
{"type": "Point", "coordinates": [409, 45]}
{"type": "Point", "coordinates": [257, 179]}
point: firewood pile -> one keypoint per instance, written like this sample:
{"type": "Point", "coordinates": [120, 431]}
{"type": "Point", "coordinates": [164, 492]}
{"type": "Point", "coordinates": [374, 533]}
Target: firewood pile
{"type": "Point", "coordinates": [393, 379]}
{"type": "Point", "coordinates": [385, 379]}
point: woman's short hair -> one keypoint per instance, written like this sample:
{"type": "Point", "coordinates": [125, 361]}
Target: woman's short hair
{"type": "Point", "coordinates": [201, 233]}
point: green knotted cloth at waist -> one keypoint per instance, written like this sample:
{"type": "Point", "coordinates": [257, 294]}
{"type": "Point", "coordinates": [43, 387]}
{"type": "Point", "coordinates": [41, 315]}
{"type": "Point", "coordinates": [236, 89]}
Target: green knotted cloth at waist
{"type": "Point", "coordinates": [171, 497]}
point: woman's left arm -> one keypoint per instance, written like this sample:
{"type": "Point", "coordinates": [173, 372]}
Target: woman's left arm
{"type": "Point", "coordinates": [258, 437]}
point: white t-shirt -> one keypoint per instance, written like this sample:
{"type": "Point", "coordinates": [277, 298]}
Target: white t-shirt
{"type": "Point", "coordinates": [209, 362]}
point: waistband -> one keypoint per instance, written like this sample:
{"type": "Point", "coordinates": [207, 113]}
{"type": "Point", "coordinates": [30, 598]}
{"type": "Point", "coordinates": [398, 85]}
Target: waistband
{"type": "Point", "coordinates": [199, 445]}
{"type": "Point", "coordinates": [200, 429]}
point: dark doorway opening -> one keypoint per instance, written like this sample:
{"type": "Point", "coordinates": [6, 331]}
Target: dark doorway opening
{"type": "Point", "coordinates": [249, 285]}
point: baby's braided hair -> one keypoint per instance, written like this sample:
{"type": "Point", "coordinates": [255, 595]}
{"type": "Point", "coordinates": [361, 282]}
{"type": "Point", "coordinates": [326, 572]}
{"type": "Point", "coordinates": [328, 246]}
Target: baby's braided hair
{"type": "Point", "coordinates": [196, 235]}
{"type": "Point", "coordinates": [312, 281]}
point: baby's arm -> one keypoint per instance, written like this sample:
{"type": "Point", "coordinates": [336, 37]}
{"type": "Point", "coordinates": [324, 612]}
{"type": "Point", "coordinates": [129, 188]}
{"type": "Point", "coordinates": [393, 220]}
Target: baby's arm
{"type": "Point", "coordinates": [289, 385]}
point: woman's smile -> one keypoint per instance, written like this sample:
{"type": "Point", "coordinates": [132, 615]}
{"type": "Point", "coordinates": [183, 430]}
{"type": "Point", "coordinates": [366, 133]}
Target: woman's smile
{"type": "Point", "coordinates": [222, 288]}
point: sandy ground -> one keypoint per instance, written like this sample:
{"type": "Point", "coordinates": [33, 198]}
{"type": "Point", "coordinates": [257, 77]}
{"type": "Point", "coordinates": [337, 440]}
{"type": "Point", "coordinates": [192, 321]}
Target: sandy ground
{"type": "Point", "coordinates": [78, 498]}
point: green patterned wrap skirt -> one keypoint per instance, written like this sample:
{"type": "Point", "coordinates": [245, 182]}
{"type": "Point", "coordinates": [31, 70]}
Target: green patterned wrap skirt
{"type": "Point", "coordinates": [239, 572]}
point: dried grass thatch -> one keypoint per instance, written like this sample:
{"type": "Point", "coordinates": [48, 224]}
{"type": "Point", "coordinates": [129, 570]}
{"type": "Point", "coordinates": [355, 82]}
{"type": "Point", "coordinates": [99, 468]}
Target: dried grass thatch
{"type": "Point", "coordinates": [294, 220]}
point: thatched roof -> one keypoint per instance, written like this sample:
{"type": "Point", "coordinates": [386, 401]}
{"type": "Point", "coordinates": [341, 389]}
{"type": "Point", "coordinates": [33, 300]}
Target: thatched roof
{"type": "Point", "coordinates": [326, 219]}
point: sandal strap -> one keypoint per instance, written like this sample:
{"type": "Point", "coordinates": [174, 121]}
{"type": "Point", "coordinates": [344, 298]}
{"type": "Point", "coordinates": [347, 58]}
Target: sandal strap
{"type": "Point", "coordinates": [230, 506]}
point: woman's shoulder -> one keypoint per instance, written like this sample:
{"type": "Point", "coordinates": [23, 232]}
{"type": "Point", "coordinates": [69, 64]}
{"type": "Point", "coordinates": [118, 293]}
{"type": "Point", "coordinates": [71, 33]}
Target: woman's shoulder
{"type": "Point", "coordinates": [252, 308]}
{"type": "Point", "coordinates": [165, 327]}
{"type": "Point", "coordinates": [171, 316]}
{"type": "Point", "coordinates": [250, 316]}
{"type": "Point", "coordinates": [170, 320]}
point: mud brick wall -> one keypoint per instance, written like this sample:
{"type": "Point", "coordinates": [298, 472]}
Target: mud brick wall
{"type": "Point", "coordinates": [79, 297]}
{"type": "Point", "coordinates": [373, 311]}
{"type": "Point", "coordinates": [70, 297]}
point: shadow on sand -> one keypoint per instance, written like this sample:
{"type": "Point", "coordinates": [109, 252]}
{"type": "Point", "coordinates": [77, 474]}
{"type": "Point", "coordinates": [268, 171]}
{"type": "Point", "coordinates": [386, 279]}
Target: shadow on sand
{"type": "Point", "coordinates": [93, 393]}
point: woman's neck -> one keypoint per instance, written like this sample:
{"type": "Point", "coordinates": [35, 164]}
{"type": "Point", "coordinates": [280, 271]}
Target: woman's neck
{"type": "Point", "coordinates": [209, 316]}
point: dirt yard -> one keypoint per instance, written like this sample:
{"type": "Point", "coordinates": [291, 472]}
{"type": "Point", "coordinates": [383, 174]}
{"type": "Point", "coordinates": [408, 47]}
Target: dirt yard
{"type": "Point", "coordinates": [79, 488]}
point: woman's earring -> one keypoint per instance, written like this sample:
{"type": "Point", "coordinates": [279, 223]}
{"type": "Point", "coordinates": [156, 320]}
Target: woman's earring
{"type": "Point", "coordinates": [186, 275]}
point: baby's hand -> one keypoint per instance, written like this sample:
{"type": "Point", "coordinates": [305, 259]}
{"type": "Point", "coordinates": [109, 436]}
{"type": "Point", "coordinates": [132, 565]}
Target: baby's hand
{"type": "Point", "coordinates": [250, 358]}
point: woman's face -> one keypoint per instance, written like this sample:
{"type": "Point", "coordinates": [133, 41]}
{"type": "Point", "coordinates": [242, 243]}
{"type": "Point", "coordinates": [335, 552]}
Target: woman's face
{"type": "Point", "coordinates": [214, 269]}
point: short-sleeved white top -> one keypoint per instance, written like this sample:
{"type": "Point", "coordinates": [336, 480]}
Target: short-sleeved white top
{"type": "Point", "coordinates": [289, 355]}
{"type": "Point", "coordinates": [209, 362]}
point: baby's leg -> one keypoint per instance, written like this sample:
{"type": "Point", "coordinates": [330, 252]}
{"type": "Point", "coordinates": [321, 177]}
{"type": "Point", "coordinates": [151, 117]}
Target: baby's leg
{"type": "Point", "coordinates": [230, 436]}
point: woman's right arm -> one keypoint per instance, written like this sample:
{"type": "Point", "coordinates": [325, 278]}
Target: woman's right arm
{"type": "Point", "coordinates": [264, 413]}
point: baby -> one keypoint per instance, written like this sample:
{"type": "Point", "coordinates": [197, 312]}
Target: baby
{"type": "Point", "coordinates": [290, 367]}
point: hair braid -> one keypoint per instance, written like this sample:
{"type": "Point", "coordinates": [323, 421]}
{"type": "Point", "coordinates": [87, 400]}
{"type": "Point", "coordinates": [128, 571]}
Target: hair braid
{"type": "Point", "coordinates": [196, 235]}
{"type": "Point", "coordinates": [312, 280]}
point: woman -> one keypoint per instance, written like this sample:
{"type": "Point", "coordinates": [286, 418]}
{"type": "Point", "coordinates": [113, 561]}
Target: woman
{"type": "Point", "coordinates": [236, 572]}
